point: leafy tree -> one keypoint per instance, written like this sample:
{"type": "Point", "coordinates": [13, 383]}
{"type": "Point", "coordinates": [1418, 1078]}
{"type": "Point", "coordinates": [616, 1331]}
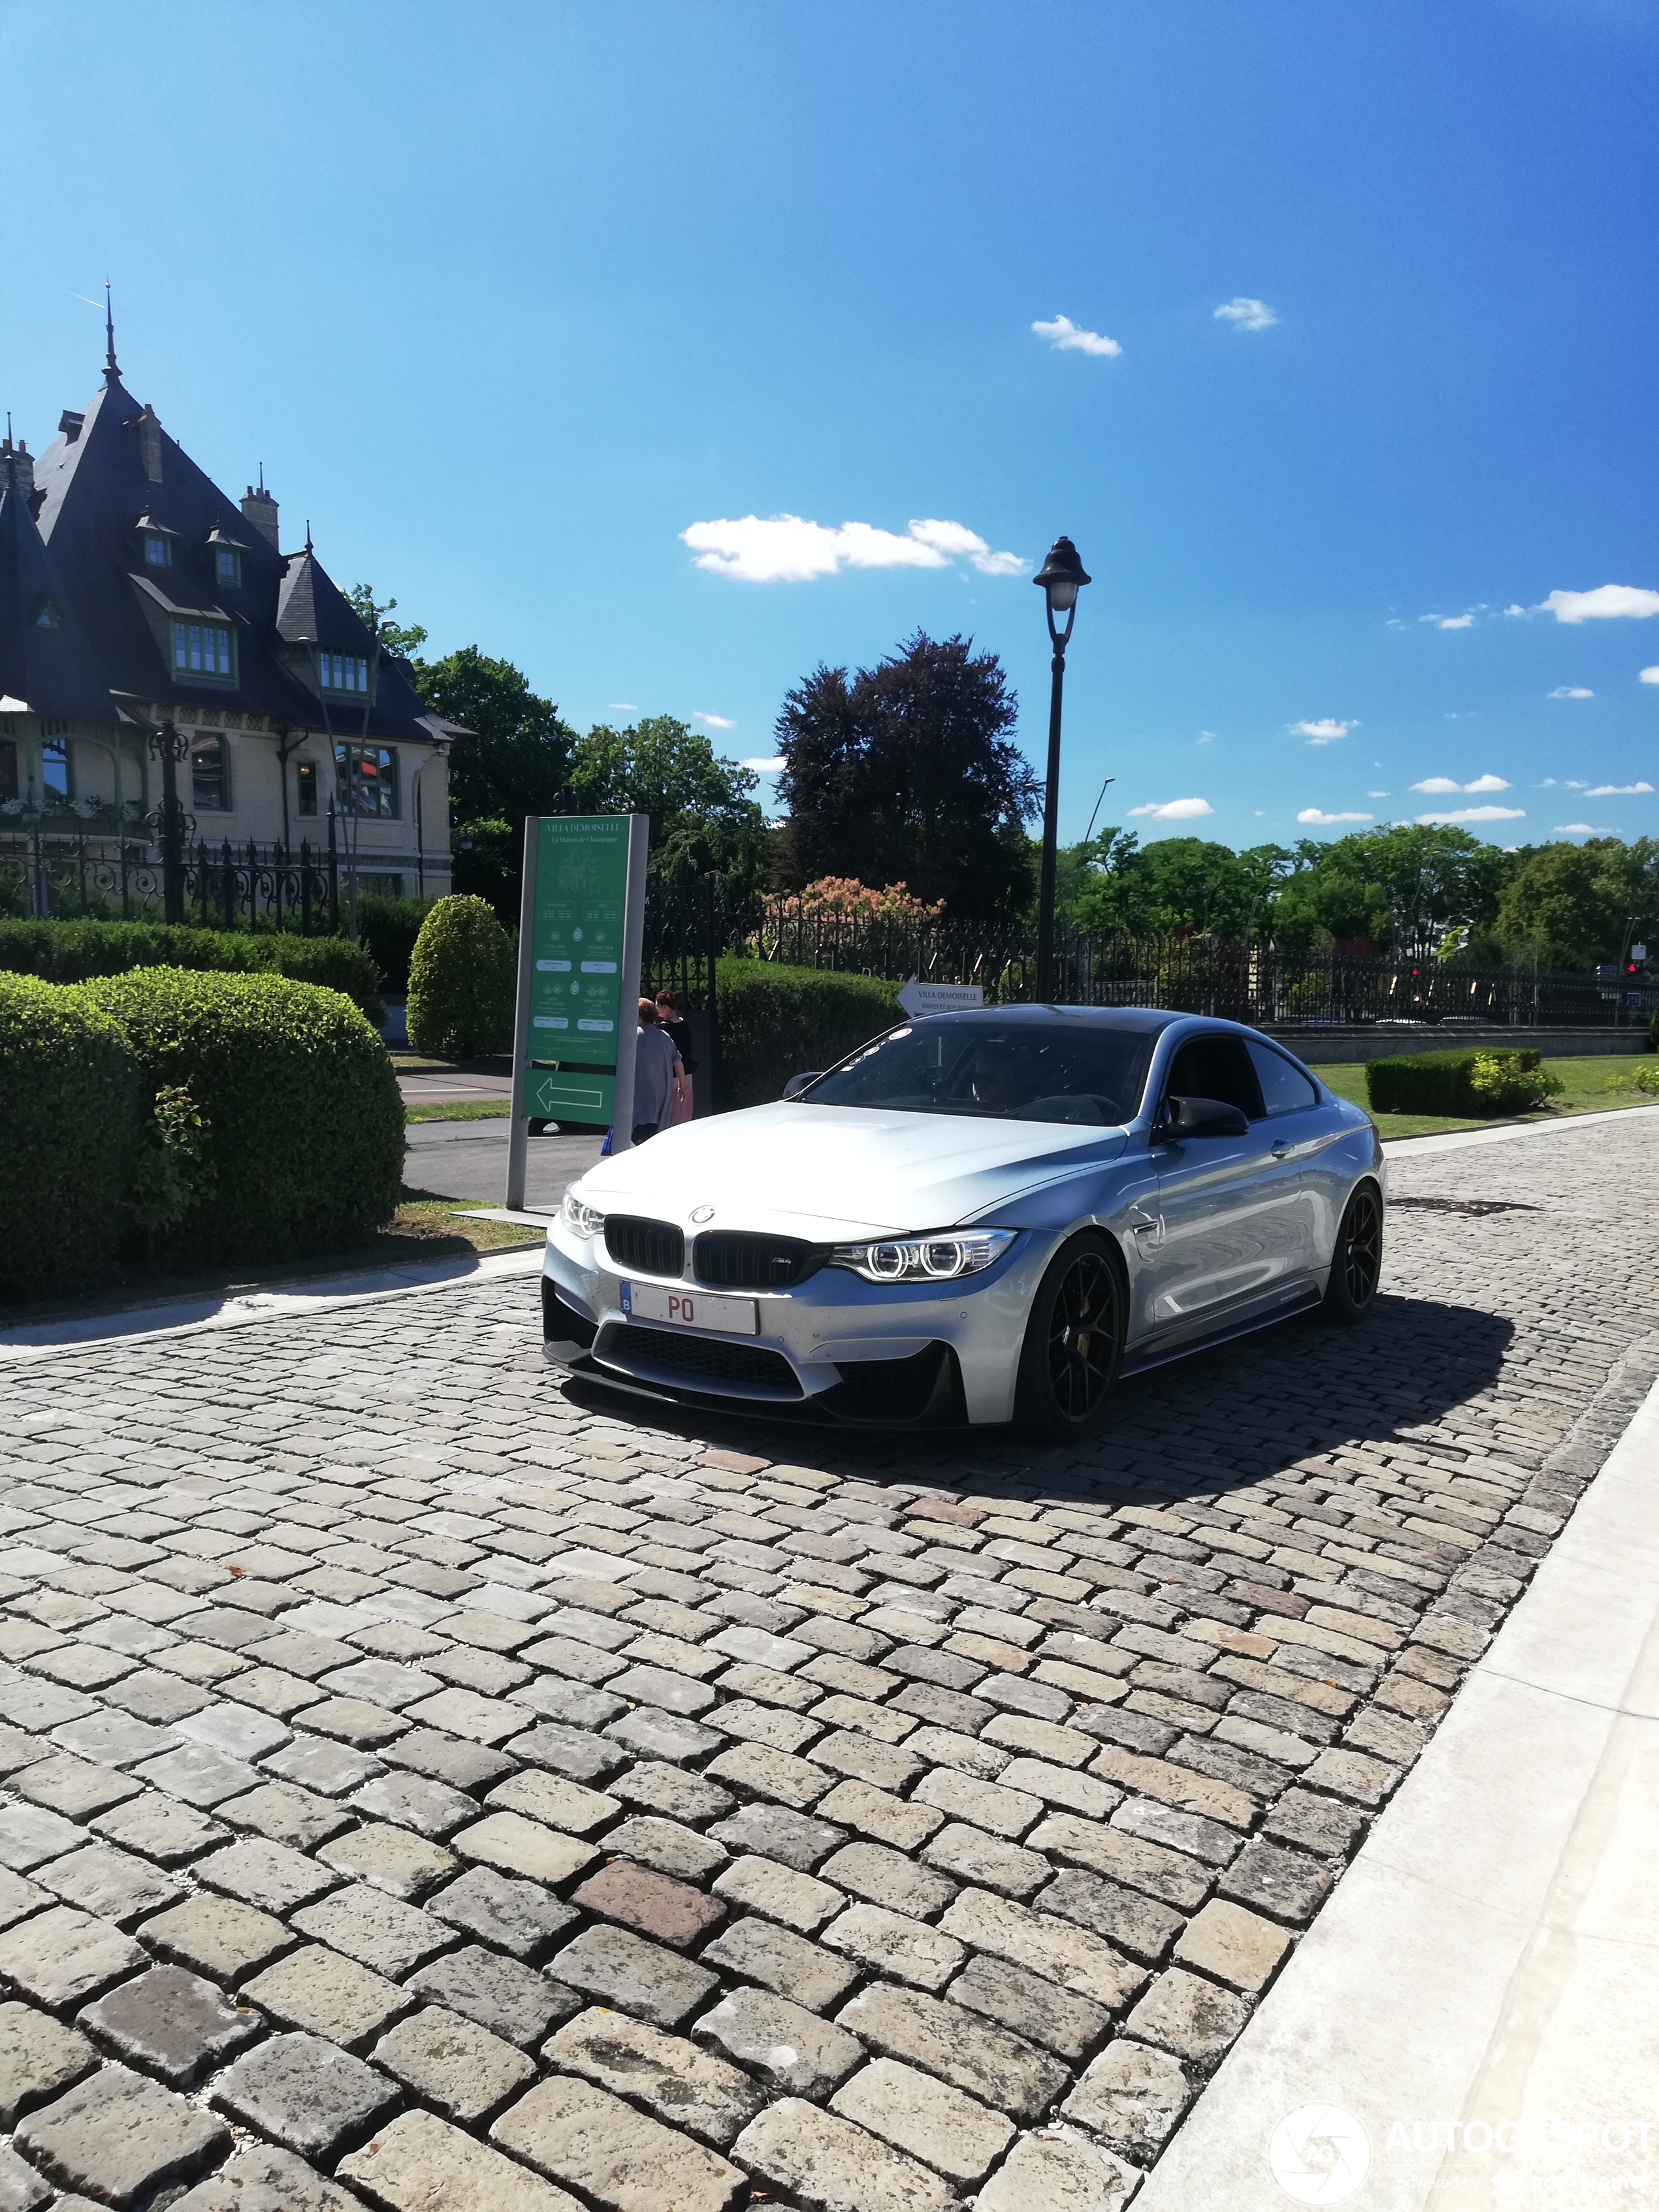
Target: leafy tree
{"type": "Point", "coordinates": [1403, 884]}
{"type": "Point", "coordinates": [405, 640]}
{"type": "Point", "coordinates": [515, 760]}
{"type": "Point", "coordinates": [1572, 906]}
{"type": "Point", "coordinates": [907, 772]}
{"type": "Point", "coordinates": [702, 816]}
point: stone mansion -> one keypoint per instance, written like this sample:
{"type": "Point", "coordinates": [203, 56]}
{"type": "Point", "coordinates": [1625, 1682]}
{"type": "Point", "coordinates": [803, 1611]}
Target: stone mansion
{"type": "Point", "coordinates": [133, 594]}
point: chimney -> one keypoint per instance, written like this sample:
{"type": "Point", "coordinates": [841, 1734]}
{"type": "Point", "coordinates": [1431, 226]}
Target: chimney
{"type": "Point", "coordinates": [149, 443]}
{"type": "Point", "coordinates": [259, 508]}
{"type": "Point", "coordinates": [17, 466]}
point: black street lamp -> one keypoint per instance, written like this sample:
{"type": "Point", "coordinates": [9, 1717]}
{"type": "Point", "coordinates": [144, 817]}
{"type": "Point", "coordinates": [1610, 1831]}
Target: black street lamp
{"type": "Point", "coordinates": [1062, 576]}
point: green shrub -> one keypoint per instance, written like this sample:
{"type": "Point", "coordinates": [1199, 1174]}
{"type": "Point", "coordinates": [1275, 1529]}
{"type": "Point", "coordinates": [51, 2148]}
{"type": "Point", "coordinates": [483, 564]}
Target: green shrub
{"type": "Point", "coordinates": [776, 1021]}
{"type": "Point", "coordinates": [300, 1143]}
{"type": "Point", "coordinates": [1502, 1085]}
{"type": "Point", "coordinates": [462, 982]}
{"type": "Point", "coordinates": [389, 927]}
{"type": "Point", "coordinates": [71, 1110]}
{"type": "Point", "coordinates": [1444, 1082]}
{"type": "Point", "coordinates": [1646, 1080]}
{"type": "Point", "coordinates": [75, 952]}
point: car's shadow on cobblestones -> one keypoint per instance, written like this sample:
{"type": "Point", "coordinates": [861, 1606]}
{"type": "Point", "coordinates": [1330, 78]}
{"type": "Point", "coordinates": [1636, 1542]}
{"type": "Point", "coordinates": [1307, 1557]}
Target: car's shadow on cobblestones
{"type": "Point", "coordinates": [1216, 1421]}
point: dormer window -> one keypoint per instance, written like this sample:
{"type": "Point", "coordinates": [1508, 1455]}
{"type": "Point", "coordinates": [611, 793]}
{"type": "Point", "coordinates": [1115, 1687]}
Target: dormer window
{"type": "Point", "coordinates": [226, 565]}
{"type": "Point", "coordinates": [156, 555]}
{"type": "Point", "coordinates": [203, 649]}
{"type": "Point", "coordinates": [342, 671]}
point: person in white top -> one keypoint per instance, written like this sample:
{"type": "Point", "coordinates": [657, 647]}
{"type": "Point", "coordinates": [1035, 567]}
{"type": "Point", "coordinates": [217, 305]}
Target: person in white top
{"type": "Point", "coordinates": [656, 1066]}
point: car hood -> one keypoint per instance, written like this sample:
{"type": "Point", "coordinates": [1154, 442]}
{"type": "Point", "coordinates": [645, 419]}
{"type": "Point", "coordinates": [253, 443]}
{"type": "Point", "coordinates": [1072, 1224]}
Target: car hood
{"type": "Point", "coordinates": [826, 1172]}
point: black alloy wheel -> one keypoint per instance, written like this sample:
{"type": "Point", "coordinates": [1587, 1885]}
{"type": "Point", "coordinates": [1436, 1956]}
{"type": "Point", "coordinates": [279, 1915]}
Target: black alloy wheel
{"type": "Point", "coordinates": [1073, 1344]}
{"type": "Point", "coordinates": [1357, 1262]}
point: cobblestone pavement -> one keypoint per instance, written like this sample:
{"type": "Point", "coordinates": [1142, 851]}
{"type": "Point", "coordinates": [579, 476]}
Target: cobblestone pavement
{"type": "Point", "coordinates": [425, 1791]}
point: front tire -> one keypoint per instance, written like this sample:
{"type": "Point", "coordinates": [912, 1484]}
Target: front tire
{"type": "Point", "coordinates": [1073, 1344]}
{"type": "Point", "coordinates": [1357, 1262]}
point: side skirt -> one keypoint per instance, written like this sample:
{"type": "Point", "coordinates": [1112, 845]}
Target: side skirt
{"type": "Point", "coordinates": [1159, 1352]}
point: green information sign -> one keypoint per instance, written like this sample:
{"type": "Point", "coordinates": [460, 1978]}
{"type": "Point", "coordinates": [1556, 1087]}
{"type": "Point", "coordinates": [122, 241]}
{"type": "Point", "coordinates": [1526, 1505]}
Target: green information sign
{"type": "Point", "coordinates": [577, 968]}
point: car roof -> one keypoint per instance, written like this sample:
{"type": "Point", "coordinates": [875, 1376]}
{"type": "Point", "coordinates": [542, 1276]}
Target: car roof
{"type": "Point", "coordinates": [1142, 1020]}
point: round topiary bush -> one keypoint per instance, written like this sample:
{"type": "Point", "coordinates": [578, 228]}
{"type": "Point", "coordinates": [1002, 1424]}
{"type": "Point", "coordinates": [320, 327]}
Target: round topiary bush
{"type": "Point", "coordinates": [71, 1109]}
{"type": "Point", "coordinates": [300, 1141]}
{"type": "Point", "coordinates": [461, 982]}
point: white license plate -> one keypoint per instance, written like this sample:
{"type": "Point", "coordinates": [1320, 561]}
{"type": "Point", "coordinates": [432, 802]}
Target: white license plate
{"type": "Point", "coordinates": [691, 1309]}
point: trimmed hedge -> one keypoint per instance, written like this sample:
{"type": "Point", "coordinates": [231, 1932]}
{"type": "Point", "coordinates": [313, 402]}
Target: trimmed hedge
{"type": "Point", "coordinates": [303, 1142]}
{"type": "Point", "coordinates": [75, 952]}
{"type": "Point", "coordinates": [463, 982]}
{"type": "Point", "coordinates": [70, 1108]}
{"type": "Point", "coordinates": [776, 1021]}
{"type": "Point", "coordinates": [389, 927]}
{"type": "Point", "coordinates": [1439, 1082]}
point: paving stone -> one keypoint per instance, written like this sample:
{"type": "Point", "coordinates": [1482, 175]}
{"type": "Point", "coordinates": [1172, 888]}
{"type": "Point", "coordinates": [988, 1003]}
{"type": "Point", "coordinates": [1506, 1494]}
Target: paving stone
{"type": "Point", "coordinates": [640, 1977]}
{"type": "Point", "coordinates": [518, 1917]}
{"type": "Point", "coordinates": [569, 1752]}
{"type": "Point", "coordinates": [777, 1832]}
{"type": "Point", "coordinates": [420, 2164]}
{"type": "Point", "coordinates": [667, 1911]}
{"type": "Point", "coordinates": [376, 1931]}
{"type": "Point", "coordinates": [1053, 2173]}
{"type": "Point", "coordinates": [240, 1731]}
{"type": "Point", "coordinates": [39, 2058]}
{"type": "Point", "coordinates": [441, 1757]}
{"type": "Point", "coordinates": [654, 1786]}
{"type": "Point", "coordinates": [1237, 1947]}
{"type": "Point", "coordinates": [119, 2137]}
{"type": "Point", "coordinates": [261, 2179]}
{"type": "Point", "coordinates": [29, 1836]}
{"type": "Point", "coordinates": [1002, 2070]}
{"type": "Point", "coordinates": [1131, 1920]}
{"type": "Point", "coordinates": [667, 1846]}
{"type": "Point", "coordinates": [171, 2023]}
{"type": "Point", "coordinates": [269, 1876]}
{"type": "Point", "coordinates": [198, 1776]}
{"type": "Point", "coordinates": [1131, 2097]}
{"type": "Point", "coordinates": [19, 1898]}
{"type": "Point", "coordinates": [159, 1828]}
{"type": "Point", "coordinates": [1028, 2006]}
{"type": "Point", "coordinates": [1188, 2015]}
{"type": "Point", "coordinates": [1285, 1883]}
{"type": "Point", "coordinates": [877, 1813]}
{"type": "Point", "coordinates": [516, 1845]}
{"type": "Point", "coordinates": [61, 1957]}
{"type": "Point", "coordinates": [680, 2083]}
{"type": "Point", "coordinates": [310, 2095]}
{"type": "Point", "coordinates": [509, 1999]}
{"type": "Point", "coordinates": [952, 2132]}
{"type": "Point", "coordinates": [1318, 1824]}
{"type": "Point", "coordinates": [331, 1996]}
{"type": "Point", "coordinates": [115, 1739]}
{"type": "Point", "coordinates": [412, 1800]}
{"type": "Point", "coordinates": [754, 1950]}
{"type": "Point", "coordinates": [454, 2063]}
{"type": "Point", "coordinates": [77, 1787]}
{"type": "Point", "coordinates": [780, 1894]}
{"type": "Point", "coordinates": [111, 1883]}
{"type": "Point", "coordinates": [21, 2189]}
{"type": "Point", "coordinates": [972, 1855]}
{"type": "Point", "coordinates": [578, 2134]}
{"type": "Point", "coordinates": [754, 1769]}
{"type": "Point", "coordinates": [788, 2046]}
{"type": "Point", "coordinates": [825, 2164]}
{"type": "Point", "coordinates": [388, 1858]}
{"type": "Point", "coordinates": [217, 1937]}
{"type": "Point", "coordinates": [887, 1878]}
{"type": "Point", "coordinates": [1005, 1811]}
{"type": "Point", "coordinates": [889, 1944]}
{"type": "Point", "coordinates": [314, 1764]}
{"type": "Point", "coordinates": [1169, 1875]}
{"type": "Point", "coordinates": [1075, 1958]}
{"type": "Point", "coordinates": [557, 1803]}
{"type": "Point", "coordinates": [653, 1734]}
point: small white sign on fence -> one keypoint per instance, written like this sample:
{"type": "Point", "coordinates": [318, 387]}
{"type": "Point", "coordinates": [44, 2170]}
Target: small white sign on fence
{"type": "Point", "coordinates": [918, 998]}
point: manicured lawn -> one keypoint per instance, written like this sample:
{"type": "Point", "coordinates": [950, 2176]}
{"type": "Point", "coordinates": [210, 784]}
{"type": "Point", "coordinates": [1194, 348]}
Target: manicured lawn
{"type": "Point", "coordinates": [460, 1109]}
{"type": "Point", "coordinates": [1594, 1082]}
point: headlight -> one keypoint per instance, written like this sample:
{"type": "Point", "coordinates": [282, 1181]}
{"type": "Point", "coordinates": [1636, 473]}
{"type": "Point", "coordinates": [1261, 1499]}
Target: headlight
{"type": "Point", "coordinates": [931, 1258]}
{"type": "Point", "coordinates": [585, 1220]}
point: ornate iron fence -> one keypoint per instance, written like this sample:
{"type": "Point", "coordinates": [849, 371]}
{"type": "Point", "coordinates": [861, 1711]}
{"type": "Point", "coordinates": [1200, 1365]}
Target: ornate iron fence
{"type": "Point", "coordinates": [223, 886]}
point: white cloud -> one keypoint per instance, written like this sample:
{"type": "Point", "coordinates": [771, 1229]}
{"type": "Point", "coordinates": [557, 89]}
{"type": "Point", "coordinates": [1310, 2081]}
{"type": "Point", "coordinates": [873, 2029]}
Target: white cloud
{"type": "Point", "coordinates": [1616, 790]}
{"type": "Point", "coordinates": [786, 549]}
{"type": "Point", "coordinates": [1570, 691]}
{"type": "Point", "coordinates": [713, 721]}
{"type": "Point", "coordinates": [623, 707]}
{"type": "Point", "coordinates": [1175, 810]}
{"type": "Point", "coordinates": [1245, 314]}
{"type": "Point", "coordinates": [764, 767]}
{"type": "Point", "coordinates": [1206, 737]}
{"type": "Point", "coordinates": [1474, 814]}
{"type": "Point", "coordinates": [1574, 830]}
{"type": "Point", "coordinates": [1313, 814]}
{"type": "Point", "coordinates": [1450, 783]}
{"type": "Point", "coordinates": [1377, 794]}
{"type": "Point", "coordinates": [1065, 337]}
{"type": "Point", "coordinates": [1324, 732]}
{"type": "Point", "coordinates": [1649, 676]}
{"type": "Point", "coordinates": [1456, 622]}
{"type": "Point", "coordinates": [1604, 603]}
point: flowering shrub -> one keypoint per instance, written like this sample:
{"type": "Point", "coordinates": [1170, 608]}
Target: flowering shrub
{"type": "Point", "coordinates": [1503, 1085]}
{"type": "Point", "coordinates": [844, 898]}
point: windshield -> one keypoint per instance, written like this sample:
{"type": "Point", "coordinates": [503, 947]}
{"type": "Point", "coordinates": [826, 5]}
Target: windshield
{"type": "Point", "coordinates": [996, 1069]}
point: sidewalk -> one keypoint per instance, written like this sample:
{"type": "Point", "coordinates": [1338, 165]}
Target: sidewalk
{"type": "Point", "coordinates": [1482, 1994]}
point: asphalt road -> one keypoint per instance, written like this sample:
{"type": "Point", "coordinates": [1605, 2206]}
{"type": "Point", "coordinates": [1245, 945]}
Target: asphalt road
{"type": "Point", "coordinates": [468, 1160]}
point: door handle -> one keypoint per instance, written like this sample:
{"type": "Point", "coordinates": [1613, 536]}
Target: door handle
{"type": "Point", "coordinates": [1281, 1151]}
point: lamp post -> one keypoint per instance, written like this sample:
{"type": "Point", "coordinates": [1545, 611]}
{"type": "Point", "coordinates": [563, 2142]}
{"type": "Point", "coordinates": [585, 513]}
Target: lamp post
{"type": "Point", "coordinates": [1062, 576]}
{"type": "Point", "coordinates": [171, 823]}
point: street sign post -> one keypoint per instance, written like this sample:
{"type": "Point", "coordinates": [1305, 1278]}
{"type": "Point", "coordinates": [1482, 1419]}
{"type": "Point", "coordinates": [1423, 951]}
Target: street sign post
{"type": "Point", "coordinates": [918, 998]}
{"type": "Point", "coordinates": [581, 935]}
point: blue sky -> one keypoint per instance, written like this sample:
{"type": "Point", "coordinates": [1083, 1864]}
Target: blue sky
{"type": "Point", "coordinates": [508, 299]}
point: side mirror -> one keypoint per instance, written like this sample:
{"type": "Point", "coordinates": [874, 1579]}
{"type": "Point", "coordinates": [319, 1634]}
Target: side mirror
{"type": "Point", "coordinates": [796, 1084]}
{"type": "Point", "coordinates": [1202, 1117]}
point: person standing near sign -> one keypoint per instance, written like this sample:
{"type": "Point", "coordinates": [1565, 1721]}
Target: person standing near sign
{"type": "Point", "coordinates": [656, 1066]}
{"type": "Point", "coordinates": [671, 1018]}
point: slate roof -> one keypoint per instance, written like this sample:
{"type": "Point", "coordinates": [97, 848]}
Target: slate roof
{"type": "Point", "coordinates": [48, 669]}
{"type": "Point", "coordinates": [92, 490]}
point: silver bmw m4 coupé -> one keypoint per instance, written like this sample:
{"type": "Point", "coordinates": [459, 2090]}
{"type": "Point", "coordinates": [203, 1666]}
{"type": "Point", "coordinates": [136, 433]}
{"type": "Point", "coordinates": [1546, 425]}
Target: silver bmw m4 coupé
{"type": "Point", "coordinates": [977, 1217]}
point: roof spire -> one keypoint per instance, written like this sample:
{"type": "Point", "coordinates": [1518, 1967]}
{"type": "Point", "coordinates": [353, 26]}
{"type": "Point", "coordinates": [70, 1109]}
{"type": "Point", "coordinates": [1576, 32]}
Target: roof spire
{"type": "Point", "coordinates": [111, 373]}
{"type": "Point", "coordinates": [307, 534]}
{"type": "Point", "coordinates": [11, 458]}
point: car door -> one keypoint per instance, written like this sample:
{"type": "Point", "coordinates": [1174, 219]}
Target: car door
{"type": "Point", "coordinates": [1232, 1223]}
{"type": "Point", "coordinates": [1305, 1127]}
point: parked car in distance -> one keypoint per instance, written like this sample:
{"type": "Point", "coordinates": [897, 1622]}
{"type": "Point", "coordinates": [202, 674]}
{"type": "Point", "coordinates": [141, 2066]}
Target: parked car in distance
{"type": "Point", "coordinates": [977, 1217]}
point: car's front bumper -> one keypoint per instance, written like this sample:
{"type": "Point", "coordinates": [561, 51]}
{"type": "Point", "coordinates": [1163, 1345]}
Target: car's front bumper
{"type": "Point", "coordinates": [835, 1346]}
